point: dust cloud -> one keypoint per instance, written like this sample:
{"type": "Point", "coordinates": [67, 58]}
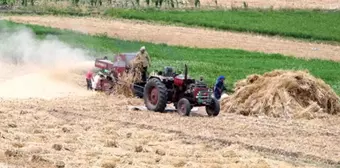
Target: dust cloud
{"type": "Point", "coordinates": [21, 46]}
{"type": "Point", "coordinates": [39, 68]}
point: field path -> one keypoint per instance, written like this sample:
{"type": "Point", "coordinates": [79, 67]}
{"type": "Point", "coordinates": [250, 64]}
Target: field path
{"type": "Point", "coordinates": [276, 4]}
{"type": "Point", "coordinates": [184, 36]}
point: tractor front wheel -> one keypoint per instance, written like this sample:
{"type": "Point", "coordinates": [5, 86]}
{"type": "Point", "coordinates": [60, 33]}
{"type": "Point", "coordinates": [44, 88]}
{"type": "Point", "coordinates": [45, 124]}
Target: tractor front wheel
{"type": "Point", "coordinates": [184, 107]}
{"type": "Point", "coordinates": [155, 95]}
{"type": "Point", "coordinates": [214, 108]}
{"type": "Point", "coordinates": [175, 105]}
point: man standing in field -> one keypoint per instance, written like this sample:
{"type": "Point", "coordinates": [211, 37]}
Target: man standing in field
{"type": "Point", "coordinates": [219, 87]}
{"type": "Point", "coordinates": [89, 76]}
{"type": "Point", "coordinates": [96, 83]}
{"type": "Point", "coordinates": [142, 61]}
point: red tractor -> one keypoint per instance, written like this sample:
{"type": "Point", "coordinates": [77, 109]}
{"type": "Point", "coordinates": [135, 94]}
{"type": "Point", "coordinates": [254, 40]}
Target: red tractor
{"type": "Point", "coordinates": [168, 87]}
{"type": "Point", "coordinates": [164, 87]}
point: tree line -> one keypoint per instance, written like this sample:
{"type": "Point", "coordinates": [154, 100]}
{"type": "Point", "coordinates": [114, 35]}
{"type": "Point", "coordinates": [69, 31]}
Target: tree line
{"type": "Point", "coordinates": [156, 3]}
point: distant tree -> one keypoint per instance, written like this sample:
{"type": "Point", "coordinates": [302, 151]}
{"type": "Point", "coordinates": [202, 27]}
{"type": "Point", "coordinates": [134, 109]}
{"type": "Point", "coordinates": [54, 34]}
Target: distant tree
{"type": "Point", "coordinates": [197, 3]}
{"type": "Point", "coordinates": [4, 2]}
{"type": "Point", "coordinates": [75, 2]}
{"type": "Point", "coordinates": [24, 2]}
{"type": "Point", "coordinates": [177, 4]}
{"type": "Point", "coordinates": [93, 2]}
{"type": "Point", "coordinates": [245, 4]}
{"type": "Point", "coordinates": [172, 3]}
{"type": "Point", "coordinates": [147, 2]}
{"type": "Point", "coordinates": [158, 3]}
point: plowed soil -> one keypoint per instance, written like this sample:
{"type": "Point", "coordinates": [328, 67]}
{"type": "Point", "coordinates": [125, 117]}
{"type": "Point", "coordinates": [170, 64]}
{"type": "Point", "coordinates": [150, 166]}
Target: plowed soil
{"type": "Point", "coordinates": [184, 36]}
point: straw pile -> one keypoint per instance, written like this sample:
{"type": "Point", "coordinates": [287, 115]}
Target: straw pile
{"type": "Point", "coordinates": [125, 82]}
{"type": "Point", "coordinates": [288, 94]}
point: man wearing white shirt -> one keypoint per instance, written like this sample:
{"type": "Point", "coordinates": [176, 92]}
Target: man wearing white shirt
{"type": "Point", "coordinates": [96, 80]}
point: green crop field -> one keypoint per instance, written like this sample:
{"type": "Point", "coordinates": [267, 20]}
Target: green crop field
{"type": "Point", "coordinates": [311, 25]}
{"type": "Point", "coordinates": [234, 64]}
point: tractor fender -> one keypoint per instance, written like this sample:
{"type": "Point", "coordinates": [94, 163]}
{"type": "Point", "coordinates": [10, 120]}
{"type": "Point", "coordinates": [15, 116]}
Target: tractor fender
{"type": "Point", "coordinates": [159, 77]}
{"type": "Point", "coordinates": [155, 77]}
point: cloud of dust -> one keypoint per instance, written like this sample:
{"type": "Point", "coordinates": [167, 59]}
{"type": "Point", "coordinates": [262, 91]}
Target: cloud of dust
{"type": "Point", "coordinates": [21, 46]}
{"type": "Point", "coordinates": [41, 68]}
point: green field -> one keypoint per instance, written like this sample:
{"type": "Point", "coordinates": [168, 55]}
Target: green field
{"type": "Point", "coordinates": [234, 64]}
{"type": "Point", "coordinates": [311, 25]}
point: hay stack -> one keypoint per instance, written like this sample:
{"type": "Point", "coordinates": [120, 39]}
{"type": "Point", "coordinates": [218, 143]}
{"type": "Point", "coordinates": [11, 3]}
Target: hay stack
{"type": "Point", "coordinates": [288, 94]}
{"type": "Point", "coordinates": [127, 79]}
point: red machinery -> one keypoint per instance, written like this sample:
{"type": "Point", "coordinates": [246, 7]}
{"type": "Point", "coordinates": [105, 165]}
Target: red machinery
{"type": "Point", "coordinates": [115, 69]}
{"type": "Point", "coordinates": [164, 88]}
{"type": "Point", "coordinates": [168, 87]}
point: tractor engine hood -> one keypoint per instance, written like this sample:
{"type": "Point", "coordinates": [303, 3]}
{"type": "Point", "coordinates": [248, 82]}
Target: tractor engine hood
{"type": "Point", "coordinates": [179, 79]}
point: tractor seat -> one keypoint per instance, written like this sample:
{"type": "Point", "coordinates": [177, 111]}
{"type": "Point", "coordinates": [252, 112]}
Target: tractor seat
{"type": "Point", "coordinates": [168, 71]}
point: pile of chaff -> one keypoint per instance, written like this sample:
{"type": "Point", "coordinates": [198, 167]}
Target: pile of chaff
{"type": "Point", "coordinates": [288, 94]}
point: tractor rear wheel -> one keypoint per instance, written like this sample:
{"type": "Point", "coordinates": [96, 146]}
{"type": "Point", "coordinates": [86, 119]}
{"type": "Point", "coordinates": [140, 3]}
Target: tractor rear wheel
{"type": "Point", "coordinates": [184, 107]}
{"type": "Point", "coordinates": [214, 108]}
{"type": "Point", "coordinates": [155, 95]}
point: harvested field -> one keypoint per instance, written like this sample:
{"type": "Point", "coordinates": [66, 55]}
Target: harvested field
{"type": "Point", "coordinates": [97, 131]}
{"type": "Point", "coordinates": [183, 36]}
{"type": "Point", "coordinates": [87, 129]}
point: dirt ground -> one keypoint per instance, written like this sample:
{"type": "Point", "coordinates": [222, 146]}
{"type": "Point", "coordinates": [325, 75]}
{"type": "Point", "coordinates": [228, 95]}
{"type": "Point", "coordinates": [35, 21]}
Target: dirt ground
{"type": "Point", "coordinates": [184, 36]}
{"type": "Point", "coordinates": [320, 4]}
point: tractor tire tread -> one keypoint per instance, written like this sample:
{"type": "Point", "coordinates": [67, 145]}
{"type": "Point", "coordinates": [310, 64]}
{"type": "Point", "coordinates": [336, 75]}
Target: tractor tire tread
{"type": "Point", "coordinates": [163, 95]}
{"type": "Point", "coordinates": [214, 108]}
{"type": "Point", "coordinates": [187, 104]}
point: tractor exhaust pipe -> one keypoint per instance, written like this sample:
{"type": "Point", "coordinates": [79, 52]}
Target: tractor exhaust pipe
{"type": "Point", "coordinates": [185, 73]}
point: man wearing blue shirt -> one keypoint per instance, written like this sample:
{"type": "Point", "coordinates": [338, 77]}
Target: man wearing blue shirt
{"type": "Point", "coordinates": [219, 87]}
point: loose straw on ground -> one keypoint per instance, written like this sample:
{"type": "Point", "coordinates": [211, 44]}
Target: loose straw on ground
{"type": "Point", "coordinates": [128, 79]}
